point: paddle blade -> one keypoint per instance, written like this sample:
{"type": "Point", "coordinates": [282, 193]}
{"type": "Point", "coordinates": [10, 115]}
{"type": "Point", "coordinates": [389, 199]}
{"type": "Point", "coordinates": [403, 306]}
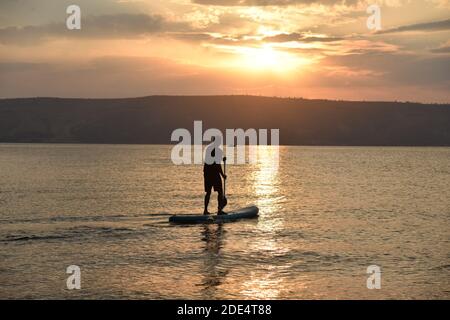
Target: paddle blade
{"type": "Point", "coordinates": [223, 202]}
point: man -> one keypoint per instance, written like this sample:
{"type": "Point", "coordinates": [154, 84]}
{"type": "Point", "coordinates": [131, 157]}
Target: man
{"type": "Point", "coordinates": [212, 173]}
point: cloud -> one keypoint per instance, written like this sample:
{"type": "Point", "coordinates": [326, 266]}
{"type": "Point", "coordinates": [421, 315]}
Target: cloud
{"type": "Point", "coordinates": [288, 37]}
{"type": "Point", "coordinates": [106, 76]}
{"type": "Point", "coordinates": [442, 49]}
{"type": "Point", "coordinates": [421, 27]}
{"type": "Point", "coordinates": [262, 3]}
{"type": "Point", "coordinates": [104, 26]}
{"type": "Point", "coordinates": [253, 40]}
{"type": "Point", "coordinates": [398, 69]}
{"type": "Point", "coordinates": [376, 75]}
{"type": "Point", "coordinates": [194, 37]}
{"type": "Point", "coordinates": [22, 66]}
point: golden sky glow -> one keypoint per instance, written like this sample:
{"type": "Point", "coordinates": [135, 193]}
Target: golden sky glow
{"type": "Point", "coordinates": [303, 48]}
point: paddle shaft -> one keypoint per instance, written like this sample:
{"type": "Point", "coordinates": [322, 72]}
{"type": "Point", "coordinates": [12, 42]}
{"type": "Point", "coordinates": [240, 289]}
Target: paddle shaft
{"type": "Point", "coordinates": [224, 201]}
{"type": "Point", "coordinates": [224, 180]}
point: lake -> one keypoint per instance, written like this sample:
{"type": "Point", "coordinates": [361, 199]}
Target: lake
{"type": "Point", "coordinates": [326, 215]}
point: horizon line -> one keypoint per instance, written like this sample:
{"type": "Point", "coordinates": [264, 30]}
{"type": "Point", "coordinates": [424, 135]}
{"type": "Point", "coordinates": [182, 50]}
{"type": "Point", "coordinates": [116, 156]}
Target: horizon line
{"type": "Point", "coordinates": [225, 95]}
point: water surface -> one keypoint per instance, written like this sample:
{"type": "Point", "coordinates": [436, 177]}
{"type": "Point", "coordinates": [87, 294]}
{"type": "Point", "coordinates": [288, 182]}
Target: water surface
{"type": "Point", "coordinates": [326, 214]}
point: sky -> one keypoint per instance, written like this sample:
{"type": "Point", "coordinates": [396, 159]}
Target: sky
{"type": "Point", "coordinates": [291, 48]}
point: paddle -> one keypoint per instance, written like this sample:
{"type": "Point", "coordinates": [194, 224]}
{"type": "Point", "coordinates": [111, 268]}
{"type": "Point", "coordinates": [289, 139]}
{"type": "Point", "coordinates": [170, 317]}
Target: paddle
{"type": "Point", "coordinates": [224, 198]}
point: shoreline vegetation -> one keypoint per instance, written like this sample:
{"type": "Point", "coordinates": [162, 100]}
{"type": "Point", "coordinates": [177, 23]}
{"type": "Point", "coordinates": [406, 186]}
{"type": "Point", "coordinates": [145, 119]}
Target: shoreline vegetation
{"type": "Point", "coordinates": [152, 119]}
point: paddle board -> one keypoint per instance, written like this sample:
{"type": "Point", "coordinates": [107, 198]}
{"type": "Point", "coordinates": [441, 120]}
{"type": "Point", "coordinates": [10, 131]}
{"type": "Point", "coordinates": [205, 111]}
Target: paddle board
{"type": "Point", "coordinates": [244, 213]}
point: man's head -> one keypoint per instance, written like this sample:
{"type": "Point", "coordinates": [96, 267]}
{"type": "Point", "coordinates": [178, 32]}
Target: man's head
{"type": "Point", "coordinates": [213, 156]}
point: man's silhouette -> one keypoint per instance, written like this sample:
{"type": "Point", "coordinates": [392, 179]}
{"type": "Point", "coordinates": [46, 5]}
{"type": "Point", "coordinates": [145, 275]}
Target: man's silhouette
{"type": "Point", "coordinates": [212, 173]}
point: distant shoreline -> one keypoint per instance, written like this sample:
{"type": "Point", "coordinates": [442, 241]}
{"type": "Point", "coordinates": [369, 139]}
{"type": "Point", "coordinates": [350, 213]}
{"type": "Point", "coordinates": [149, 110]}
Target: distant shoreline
{"type": "Point", "coordinates": [151, 120]}
{"type": "Point", "coordinates": [166, 144]}
{"type": "Point", "coordinates": [228, 95]}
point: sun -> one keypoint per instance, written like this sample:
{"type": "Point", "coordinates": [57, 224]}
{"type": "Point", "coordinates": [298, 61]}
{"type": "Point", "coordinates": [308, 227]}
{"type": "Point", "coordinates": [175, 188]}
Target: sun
{"type": "Point", "coordinates": [266, 58]}
{"type": "Point", "coordinates": [281, 60]}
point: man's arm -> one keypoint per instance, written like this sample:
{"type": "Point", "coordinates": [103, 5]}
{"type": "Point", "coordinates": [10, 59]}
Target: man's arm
{"type": "Point", "coordinates": [221, 172]}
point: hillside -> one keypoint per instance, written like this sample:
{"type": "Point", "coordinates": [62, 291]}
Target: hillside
{"type": "Point", "coordinates": [151, 120]}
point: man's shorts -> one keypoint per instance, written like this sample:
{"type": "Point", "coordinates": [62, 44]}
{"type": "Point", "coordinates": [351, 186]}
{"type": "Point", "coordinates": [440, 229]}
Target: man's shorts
{"type": "Point", "coordinates": [214, 182]}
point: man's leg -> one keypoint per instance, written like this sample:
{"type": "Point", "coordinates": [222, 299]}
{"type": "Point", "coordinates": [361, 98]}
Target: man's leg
{"type": "Point", "coordinates": [219, 200]}
{"type": "Point", "coordinates": [207, 196]}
